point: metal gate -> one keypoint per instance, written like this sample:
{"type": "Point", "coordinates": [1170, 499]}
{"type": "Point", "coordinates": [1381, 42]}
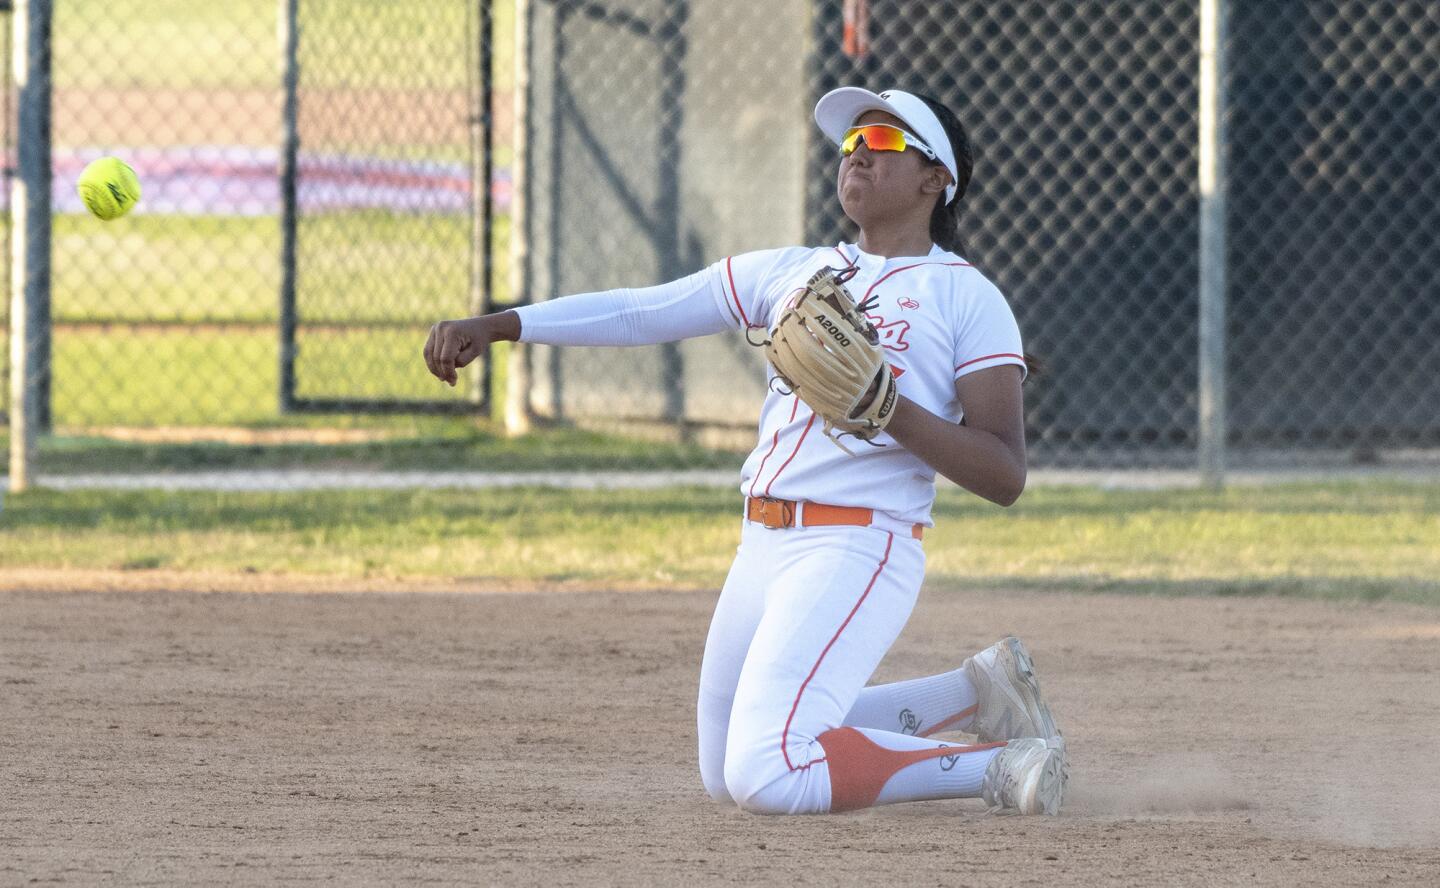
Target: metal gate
{"type": "Point", "coordinates": [386, 201]}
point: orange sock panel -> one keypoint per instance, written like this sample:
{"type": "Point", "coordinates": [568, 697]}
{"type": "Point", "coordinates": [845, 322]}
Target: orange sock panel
{"type": "Point", "coordinates": [860, 767]}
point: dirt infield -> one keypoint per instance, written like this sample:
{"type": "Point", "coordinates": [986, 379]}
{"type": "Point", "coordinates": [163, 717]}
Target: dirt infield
{"type": "Point", "coordinates": [174, 737]}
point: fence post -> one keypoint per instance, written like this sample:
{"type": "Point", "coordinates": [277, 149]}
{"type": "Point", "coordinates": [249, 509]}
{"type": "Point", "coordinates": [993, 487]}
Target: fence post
{"type": "Point", "coordinates": [482, 122]}
{"type": "Point", "coordinates": [518, 415]}
{"type": "Point", "coordinates": [672, 52]}
{"type": "Point", "coordinates": [1212, 186]}
{"type": "Point", "coordinates": [289, 34]}
{"type": "Point", "coordinates": [30, 240]}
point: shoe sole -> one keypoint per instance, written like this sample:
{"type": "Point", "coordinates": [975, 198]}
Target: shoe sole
{"type": "Point", "coordinates": [1021, 671]}
{"type": "Point", "coordinates": [1044, 793]}
{"type": "Point", "coordinates": [1043, 789]}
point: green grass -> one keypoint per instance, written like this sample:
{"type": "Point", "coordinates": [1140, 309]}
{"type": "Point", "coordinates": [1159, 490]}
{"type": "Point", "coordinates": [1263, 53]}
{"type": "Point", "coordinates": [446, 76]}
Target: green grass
{"type": "Point", "coordinates": [416, 443]}
{"type": "Point", "coordinates": [353, 267]}
{"type": "Point", "coordinates": [211, 377]}
{"type": "Point", "coordinates": [1351, 540]}
{"type": "Point", "coordinates": [165, 272]}
{"type": "Point", "coordinates": [1336, 541]}
{"type": "Point", "coordinates": [165, 268]}
{"type": "Point", "coordinates": [164, 377]}
{"type": "Point", "coordinates": [233, 44]}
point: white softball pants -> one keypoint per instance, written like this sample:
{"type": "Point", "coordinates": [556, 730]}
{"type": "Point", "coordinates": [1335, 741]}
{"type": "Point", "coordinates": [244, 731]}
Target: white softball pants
{"type": "Point", "coordinates": [804, 618]}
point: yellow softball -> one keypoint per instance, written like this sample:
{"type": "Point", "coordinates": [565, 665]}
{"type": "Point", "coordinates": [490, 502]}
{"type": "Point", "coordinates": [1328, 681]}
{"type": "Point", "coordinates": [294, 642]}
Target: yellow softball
{"type": "Point", "coordinates": [109, 187]}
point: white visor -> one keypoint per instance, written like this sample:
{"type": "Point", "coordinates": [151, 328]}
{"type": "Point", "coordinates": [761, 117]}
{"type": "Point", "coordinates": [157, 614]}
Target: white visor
{"type": "Point", "coordinates": [838, 110]}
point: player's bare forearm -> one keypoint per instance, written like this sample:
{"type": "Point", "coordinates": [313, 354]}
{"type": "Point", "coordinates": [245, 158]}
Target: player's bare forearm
{"type": "Point", "coordinates": [977, 460]}
{"type": "Point", "coordinates": [505, 326]}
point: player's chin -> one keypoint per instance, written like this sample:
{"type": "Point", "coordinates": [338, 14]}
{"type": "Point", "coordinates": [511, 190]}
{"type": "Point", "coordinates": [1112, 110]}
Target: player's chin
{"type": "Point", "coordinates": [854, 199]}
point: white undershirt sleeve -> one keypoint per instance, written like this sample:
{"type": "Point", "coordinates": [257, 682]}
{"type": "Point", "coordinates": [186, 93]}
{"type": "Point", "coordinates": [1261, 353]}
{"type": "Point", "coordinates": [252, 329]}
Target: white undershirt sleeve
{"type": "Point", "coordinates": [688, 307]}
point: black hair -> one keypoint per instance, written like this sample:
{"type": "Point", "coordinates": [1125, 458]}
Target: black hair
{"type": "Point", "coordinates": [945, 218]}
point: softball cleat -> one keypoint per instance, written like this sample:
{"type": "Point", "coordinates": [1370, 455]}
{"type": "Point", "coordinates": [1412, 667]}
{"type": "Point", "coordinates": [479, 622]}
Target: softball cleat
{"type": "Point", "coordinates": [1008, 693]}
{"type": "Point", "coordinates": [1027, 777]}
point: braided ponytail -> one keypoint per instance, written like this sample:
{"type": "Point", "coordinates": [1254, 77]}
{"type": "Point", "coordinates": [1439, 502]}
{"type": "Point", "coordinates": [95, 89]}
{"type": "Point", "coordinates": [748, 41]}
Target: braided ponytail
{"type": "Point", "coordinates": [945, 219]}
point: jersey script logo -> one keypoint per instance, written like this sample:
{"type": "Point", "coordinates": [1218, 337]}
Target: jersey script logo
{"type": "Point", "coordinates": [892, 335]}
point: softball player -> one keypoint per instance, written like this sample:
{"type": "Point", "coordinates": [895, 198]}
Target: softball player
{"type": "Point", "coordinates": [830, 559]}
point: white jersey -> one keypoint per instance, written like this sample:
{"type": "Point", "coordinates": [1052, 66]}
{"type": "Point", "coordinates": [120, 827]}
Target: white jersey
{"type": "Point", "coordinates": [938, 318]}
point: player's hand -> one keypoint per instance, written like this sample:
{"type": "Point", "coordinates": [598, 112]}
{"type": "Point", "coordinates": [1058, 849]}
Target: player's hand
{"type": "Point", "coordinates": [453, 344]}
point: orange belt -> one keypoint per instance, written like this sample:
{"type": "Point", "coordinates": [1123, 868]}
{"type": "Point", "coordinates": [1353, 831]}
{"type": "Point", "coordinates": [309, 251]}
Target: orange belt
{"type": "Point", "coordinates": [777, 513]}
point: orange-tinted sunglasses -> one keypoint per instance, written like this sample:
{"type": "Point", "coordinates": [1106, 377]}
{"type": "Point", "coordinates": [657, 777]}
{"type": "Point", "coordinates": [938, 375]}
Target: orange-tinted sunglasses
{"type": "Point", "coordinates": [882, 137]}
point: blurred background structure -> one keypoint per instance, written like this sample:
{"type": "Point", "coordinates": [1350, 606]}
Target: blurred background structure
{"type": "Point", "coordinates": [325, 179]}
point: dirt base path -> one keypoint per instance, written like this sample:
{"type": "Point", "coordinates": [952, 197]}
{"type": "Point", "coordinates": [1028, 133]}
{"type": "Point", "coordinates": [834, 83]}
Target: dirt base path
{"type": "Point", "coordinates": [256, 738]}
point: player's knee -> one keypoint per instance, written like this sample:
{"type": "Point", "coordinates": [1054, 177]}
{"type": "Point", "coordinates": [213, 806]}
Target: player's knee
{"type": "Point", "coordinates": [712, 769]}
{"type": "Point", "coordinates": [760, 788]}
{"type": "Point", "coordinates": [714, 780]}
{"type": "Point", "coordinates": [755, 796]}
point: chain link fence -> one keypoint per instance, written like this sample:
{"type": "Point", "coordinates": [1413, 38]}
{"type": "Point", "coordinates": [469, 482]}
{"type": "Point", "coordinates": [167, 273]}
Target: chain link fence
{"type": "Point", "coordinates": [643, 170]}
{"type": "Point", "coordinates": [1083, 209]}
{"type": "Point", "coordinates": [661, 135]}
{"type": "Point", "coordinates": [174, 317]}
{"type": "Point", "coordinates": [394, 123]}
{"type": "Point", "coordinates": [167, 317]}
{"type": "Point", "coordinates": [1335, 201]}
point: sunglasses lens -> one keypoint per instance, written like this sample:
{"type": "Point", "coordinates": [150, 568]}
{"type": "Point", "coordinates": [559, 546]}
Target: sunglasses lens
{"type": "Point", "coordinates": [877, 138]}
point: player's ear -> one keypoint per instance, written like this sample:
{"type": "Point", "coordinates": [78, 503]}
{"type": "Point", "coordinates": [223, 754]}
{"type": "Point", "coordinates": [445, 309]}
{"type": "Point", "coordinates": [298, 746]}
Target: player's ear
{"type": "Point", "coordinates": [937, 178]}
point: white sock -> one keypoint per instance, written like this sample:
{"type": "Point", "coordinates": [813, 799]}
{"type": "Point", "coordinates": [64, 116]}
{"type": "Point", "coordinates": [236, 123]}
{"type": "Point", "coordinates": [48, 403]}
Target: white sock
{"type": "Point", "coordinates": [958, 776]}
{"type": "Point", "coordinates": [918, 707]}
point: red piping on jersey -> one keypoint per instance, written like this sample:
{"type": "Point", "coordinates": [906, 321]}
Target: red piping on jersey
{"type": "Point", "coordinates": [730, 310]}
{"type": "Point", "coordinates": [848, 260]}
{"type": "Point", "coordinates": [785, 735]}
{"type": "Point", "coordinates": [730, 273]}
{"type": "Point", "coordinates": [907, 268]}
{"type": "Point", "coordinates": [775, 442]}
{"type": "Point", "coordinates": [793, 453]}
{"type": "Point", "coordinates": [989, 357]}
